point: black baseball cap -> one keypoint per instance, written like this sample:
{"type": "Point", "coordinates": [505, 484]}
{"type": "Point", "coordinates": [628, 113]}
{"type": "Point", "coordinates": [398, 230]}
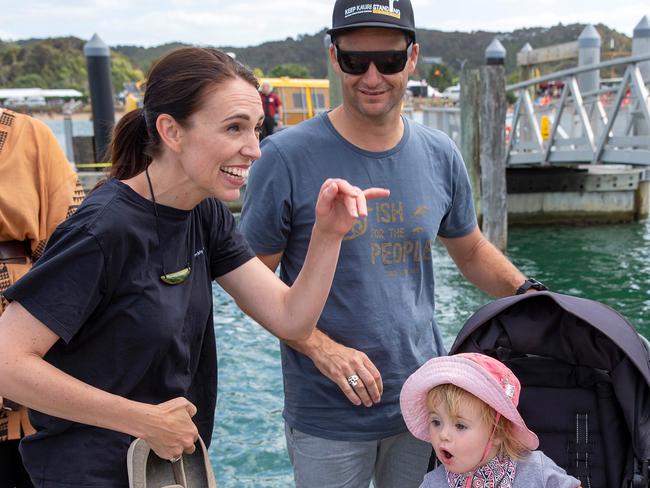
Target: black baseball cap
{"type": "Point", "coordinates": [392, 14]}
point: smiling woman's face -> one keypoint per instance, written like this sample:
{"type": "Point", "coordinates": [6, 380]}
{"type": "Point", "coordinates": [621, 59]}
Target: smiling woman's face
{"type": "Point", "coordinates": [221, 140]}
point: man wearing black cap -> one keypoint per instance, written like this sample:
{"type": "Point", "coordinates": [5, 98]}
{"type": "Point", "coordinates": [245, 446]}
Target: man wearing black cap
{"type": "Point", "coordinates": [342, 384]}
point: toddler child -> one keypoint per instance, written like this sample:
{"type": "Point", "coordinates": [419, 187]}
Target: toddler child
{"type": "Point", "coordinates": [465, 405]}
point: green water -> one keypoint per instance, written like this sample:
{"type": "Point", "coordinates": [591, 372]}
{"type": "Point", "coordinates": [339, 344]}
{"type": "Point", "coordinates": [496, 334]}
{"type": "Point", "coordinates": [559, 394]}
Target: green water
{"type": "Point", "coordinates": [610, 264]}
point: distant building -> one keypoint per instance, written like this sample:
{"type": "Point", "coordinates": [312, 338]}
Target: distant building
{"type": "Point", "coordinates": [36, 97]}
{"type": "Point", "coordinates": [420, 88]}
{"type": "Point", "coordinates": [431, 59]}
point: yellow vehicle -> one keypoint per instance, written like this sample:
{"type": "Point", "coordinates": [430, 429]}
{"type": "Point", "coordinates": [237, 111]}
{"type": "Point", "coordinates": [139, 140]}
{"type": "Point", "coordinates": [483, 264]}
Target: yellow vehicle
{"type": "Point", "coordinates": [301, 98]}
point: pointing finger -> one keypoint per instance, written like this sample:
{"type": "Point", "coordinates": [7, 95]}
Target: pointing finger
{"type": "Point", "coordinates": [372, 193]}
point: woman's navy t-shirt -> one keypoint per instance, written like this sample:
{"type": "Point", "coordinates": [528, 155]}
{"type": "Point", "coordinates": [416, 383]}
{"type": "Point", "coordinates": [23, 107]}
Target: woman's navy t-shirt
{"type": "Point", "coordinates": [122, 329]}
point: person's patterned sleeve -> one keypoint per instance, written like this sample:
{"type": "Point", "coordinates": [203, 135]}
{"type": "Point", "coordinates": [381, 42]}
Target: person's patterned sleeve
{"type": "Point", "coordinates": [65, 193]}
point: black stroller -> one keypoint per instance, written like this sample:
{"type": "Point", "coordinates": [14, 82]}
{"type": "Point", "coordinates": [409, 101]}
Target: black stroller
{"type": "Point", "coordinates": [585, 375]}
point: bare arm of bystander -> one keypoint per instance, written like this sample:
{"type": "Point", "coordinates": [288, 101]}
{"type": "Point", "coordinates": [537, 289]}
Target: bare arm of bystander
{"type": "Point", "coordinates": [483, 264]}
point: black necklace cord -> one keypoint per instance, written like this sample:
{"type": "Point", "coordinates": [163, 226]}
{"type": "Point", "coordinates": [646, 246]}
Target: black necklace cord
{"type": "Point", "coordinates": [179, 276]}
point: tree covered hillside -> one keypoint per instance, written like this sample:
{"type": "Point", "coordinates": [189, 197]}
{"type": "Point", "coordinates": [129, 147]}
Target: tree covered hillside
{"type": "Point", "coordinates": [56, 63]}
{"type": "Point", "coordinates": [59, 62]}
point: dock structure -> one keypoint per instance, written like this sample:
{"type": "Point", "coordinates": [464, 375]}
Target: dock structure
{"type": "Point", "coordinates": [584, 157]}
{"type": "Point", "coordinates": [580, 157]}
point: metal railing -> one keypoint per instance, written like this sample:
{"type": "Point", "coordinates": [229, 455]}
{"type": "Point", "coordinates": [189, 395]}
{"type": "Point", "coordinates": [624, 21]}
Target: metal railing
{"type": "Point", "coordinates": [609, 125]}
{"type": "Point", "coordinates": [446, 119]}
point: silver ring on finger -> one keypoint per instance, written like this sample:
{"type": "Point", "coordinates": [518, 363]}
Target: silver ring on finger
{"type": "Point", "coordinates": [353, 380]}
{"type": "Point", "coordinates": [175, 459]}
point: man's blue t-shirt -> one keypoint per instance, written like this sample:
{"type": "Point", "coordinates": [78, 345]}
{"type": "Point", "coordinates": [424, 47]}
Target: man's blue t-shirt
{"type": "Point", "coordinates": [382, 299]}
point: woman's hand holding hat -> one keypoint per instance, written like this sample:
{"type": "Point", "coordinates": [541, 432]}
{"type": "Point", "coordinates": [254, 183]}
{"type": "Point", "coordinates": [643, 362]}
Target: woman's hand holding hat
{"type": "Point", "coordinates": [169, 429]}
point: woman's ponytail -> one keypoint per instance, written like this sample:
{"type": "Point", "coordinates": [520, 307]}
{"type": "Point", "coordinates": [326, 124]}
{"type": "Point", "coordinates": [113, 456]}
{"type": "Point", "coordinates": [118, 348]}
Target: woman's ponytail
{"type": "Point", "coordinates": [129, 146]}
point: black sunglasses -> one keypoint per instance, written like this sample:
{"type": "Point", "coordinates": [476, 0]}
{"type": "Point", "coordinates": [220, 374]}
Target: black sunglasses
{"type": "Point", "coordinates": [386, 62]}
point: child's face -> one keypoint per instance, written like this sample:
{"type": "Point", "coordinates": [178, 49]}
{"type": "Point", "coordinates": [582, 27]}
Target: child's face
{"type": "Point", "coordinates": [459, 441]}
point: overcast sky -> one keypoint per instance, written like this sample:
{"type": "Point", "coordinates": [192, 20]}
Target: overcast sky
{"type": "Point", "coordinates": [250, 22]}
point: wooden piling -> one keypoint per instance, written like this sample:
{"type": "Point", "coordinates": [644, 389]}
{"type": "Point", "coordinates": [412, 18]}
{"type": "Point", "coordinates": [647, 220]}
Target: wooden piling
{"type": "Point", "coordinates": [492, 155]}
{"type": "Point", "coordinates": [469, 131]}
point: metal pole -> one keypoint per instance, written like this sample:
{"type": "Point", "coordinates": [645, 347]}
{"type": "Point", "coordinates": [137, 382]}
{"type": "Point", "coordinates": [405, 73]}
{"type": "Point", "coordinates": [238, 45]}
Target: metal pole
{"type": "Point", "coordinates": [98, 60]}
{"type": "Point", "coordinates": [492, 123]}
{"type": "Point", "coordinates": [67, 132]}
{"type": "Point", "coordinates": [526, 73]}
{"type": "Point", "coordinates": [495, 53]}
{"type": "Point", "coordinates": [526, 70]}
{"type": "Point", "coordinates": [640, 46]}
{"type": "Point", "coordinates": [588, 54]}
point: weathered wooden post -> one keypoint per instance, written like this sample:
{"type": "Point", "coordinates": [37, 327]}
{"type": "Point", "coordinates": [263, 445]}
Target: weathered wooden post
{"type": "Point", "coordinates": [98, 60]}
{"type": "Point", "coordinates": [335, 83]}
{"type": "Point", "coordinates": [470, 144]}
{"type": "Point", "coordinates": [589, 53]}
{"type": "Point", "coordinates": [492, 140]}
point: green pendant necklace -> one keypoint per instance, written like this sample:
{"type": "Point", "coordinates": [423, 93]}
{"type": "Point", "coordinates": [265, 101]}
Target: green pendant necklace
{"type": "Point", "coordinates": [177, 277]}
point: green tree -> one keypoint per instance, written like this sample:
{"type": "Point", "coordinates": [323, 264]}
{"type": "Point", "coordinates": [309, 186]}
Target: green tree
{"type": "Point", "coordinates": [122, 71]}
{"type": "Point", "coordinates": [9, 53]}
{"type": "Point", "coordinates": [440, 76]}
{"type": "Point", "coordinates": [30, 80]}
{"type": "Point", "coordinates": [49, 63]}
{"type": "Point", "coordinates": [292, 70]}
{"type": "Point", "coordinates": [511, 79]}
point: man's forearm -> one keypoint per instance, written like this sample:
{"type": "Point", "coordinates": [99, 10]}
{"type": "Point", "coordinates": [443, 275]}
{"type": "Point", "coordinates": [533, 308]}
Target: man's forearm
{"type": "Point", "coordinates": [491, 271]}
{"type": "Point", "coordinates": [483, 264]}
{"type": "Point", "coordinates": [340, 363]}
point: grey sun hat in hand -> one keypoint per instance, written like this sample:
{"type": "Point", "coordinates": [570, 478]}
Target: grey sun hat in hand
{"type": "Point", "coordinates": [147, 470]}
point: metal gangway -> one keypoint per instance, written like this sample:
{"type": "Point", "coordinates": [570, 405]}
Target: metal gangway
{"type": "Point", "coordinates": [609, 125]}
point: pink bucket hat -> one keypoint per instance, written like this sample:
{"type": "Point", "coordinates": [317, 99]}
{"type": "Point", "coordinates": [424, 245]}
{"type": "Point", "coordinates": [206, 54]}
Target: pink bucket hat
{"type": "Point", "coordinates": [482, 376]}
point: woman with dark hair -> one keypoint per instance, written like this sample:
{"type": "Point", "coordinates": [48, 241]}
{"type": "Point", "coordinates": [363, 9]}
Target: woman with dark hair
{"type": "Point", "coordinates": [110, 336]}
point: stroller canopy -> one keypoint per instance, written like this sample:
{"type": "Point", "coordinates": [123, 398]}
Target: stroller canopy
{"type": "Point", "coordinates": [576, 331]}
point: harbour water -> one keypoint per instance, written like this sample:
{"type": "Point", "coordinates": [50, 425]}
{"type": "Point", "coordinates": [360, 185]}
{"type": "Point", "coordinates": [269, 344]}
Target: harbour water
{"type": "Point", "coordinates": [79, 128]}
{"type": "Point", "coordinates": [605, 263]}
